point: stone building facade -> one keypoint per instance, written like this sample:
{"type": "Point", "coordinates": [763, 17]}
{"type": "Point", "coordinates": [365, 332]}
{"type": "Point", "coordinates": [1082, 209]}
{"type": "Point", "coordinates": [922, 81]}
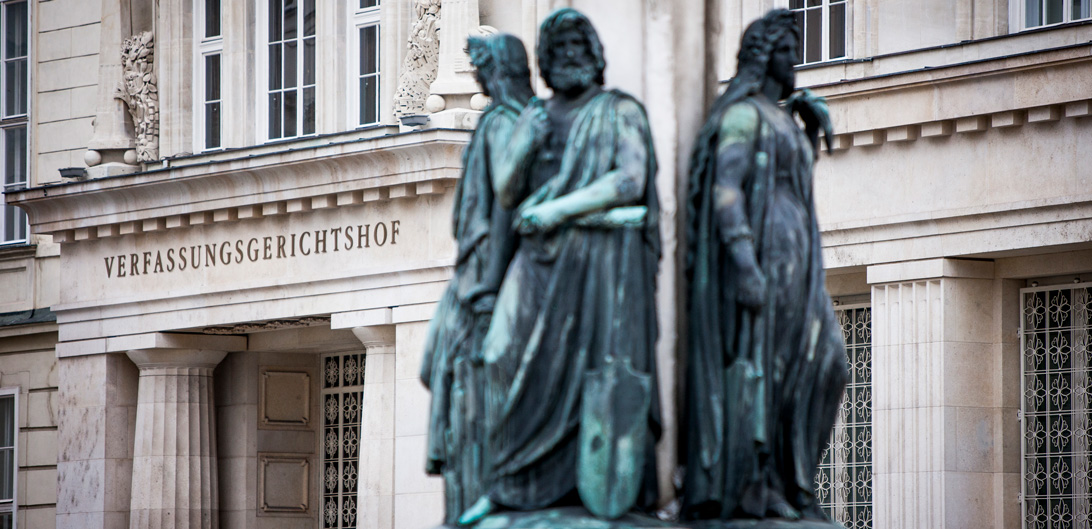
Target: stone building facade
{"type": "Point", "coordinates": [217, 313]}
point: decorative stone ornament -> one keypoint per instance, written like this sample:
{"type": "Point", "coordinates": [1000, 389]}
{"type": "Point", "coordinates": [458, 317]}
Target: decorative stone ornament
{"type": "Point", "coordinates": [421, 62]}
{"type": "Point", "coordinates": [138, 89]}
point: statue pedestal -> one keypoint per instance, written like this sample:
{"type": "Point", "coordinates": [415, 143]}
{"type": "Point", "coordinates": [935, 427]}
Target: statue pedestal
{"type": "Point", "coordinates": [580, 518]}
{"type": "Point", "coordinates": [567, 518]}
{"type": "Point", "coordinates": [769, 523]}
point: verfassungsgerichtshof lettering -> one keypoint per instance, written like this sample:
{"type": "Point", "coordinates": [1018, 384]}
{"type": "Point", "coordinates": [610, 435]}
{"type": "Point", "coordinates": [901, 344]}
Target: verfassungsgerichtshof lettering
{"type": "Point", "coordinates": [254, 249]}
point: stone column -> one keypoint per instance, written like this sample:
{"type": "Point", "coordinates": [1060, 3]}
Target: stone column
{"type": "Point", "coordinates": [174, 454]}
{"type": "Point", "coordinates": [375, 495]}
{"type": "Point", "coordinates": [945, 432]}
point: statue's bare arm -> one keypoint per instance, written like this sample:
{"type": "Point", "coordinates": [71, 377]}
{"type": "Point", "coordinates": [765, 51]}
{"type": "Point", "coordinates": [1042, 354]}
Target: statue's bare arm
{"type": "Point", "coordinates": [736, 158]}
{"type": "Point", "coordinates": [623, 185]}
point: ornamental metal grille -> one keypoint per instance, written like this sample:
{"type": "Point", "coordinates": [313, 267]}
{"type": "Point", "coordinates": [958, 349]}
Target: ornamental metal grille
{"type": "Point", "coordinates": [1057, 420]}
{"type": "Point", "coordinates": [843, 484]}
{"type": "Point", "coordinates": [342, 394]}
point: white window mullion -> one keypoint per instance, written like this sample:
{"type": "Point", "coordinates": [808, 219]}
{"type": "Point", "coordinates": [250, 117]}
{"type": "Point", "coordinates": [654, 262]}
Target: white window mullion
{"type": "Point", "coordinates": [9, 456]}
{"type": "Point", "coordinates": [14, 105]}
{"type": "Point", "coordinates": [365, 79]}
{"type": "Point", "coordinates": [208, 108]}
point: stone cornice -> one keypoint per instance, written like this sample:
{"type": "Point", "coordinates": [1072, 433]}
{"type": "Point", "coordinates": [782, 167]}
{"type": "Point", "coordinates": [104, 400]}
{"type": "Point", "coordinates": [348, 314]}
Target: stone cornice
{"type": "Point", "coordinates": [937, 94]}
{"type": "Point", "coordinates": [1002, 229]}
{"type": "Point", "coordinates": [245, 184]}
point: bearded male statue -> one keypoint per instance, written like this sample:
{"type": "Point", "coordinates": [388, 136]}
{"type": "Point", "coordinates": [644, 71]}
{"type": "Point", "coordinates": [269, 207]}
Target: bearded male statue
{"type": "Point", "coordinates": [766, 365]}
{"type": "Point", "coordinates": [572, 409]}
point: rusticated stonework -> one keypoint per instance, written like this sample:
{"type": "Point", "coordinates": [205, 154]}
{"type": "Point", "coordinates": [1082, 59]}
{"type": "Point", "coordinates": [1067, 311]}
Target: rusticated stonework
{"type": "Point", "coordinates": [138, 89]}
{"type": "Point", "coordinates": [420, 65]}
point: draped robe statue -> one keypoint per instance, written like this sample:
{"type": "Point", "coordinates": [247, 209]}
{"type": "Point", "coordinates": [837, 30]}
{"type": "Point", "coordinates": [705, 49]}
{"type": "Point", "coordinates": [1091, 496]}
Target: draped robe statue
{"type": "Point", "coordinates": [575, 321]}
{"type": "Point", "coordinates": [483, 230]}
{"type": "Point", "coordinates": [766, 364]}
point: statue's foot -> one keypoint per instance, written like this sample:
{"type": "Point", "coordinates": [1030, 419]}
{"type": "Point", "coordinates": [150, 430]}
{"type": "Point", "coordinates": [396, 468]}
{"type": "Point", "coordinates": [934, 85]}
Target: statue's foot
{"type": "Point", "coordinates": [814, 512]}
{"type": "Point", "coordinates": [781, 509]}
{"type": "Point", "coordinates": [481, 508]}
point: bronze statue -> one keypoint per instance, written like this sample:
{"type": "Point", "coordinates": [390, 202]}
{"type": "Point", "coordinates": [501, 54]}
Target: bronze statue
{"type": "Point", "coordinates": [483, 229]}
{"type": "Point", "coordinates": [569, 357]}
{"type": "Point", "coordinates": [766, 363]}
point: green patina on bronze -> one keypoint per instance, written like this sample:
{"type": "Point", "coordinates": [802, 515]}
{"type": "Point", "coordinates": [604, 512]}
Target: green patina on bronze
{"type": "Point", "coordinates": [578, 296]}
{"type": "Point", "coordinates": [766, 364]}
{"type": "Point", "coordinates": [452, 367]}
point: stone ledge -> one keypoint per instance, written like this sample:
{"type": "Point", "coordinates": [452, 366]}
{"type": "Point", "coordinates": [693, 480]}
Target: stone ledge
{"type": "Point", "coordinates": [1009, 119]}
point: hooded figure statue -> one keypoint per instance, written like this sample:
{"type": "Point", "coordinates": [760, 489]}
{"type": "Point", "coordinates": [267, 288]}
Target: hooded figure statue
{"type": "Point", "coordinates": [766, 364]}
{"type": "Point", "coordinates": [483, 231]}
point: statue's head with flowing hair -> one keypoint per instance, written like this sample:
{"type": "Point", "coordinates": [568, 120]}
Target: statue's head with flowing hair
{"type": "Point", "coordinates": [563, 72]}
{"type": "Point", "coordinates": [501, 68]}
{"type": "Point", "coordinates": [756, 50]}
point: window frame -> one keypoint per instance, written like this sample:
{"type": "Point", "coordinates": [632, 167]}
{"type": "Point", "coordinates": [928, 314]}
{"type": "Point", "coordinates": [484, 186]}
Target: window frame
{"type": "Point", "coordinates": [360, 18]}
{"type": "Point", "coordinates": [205, 47]}
{"type": "Point", "coordinates": [328, 388]}
{"type": "Point", "coordinates": [851, 513]}
{"type": "Point", "coordinates": [824, 52]}
{"type": "Point", "coordinates": [12, 122]}
{"type": "Point", "coordinates": [1020, 11]}
{"type": "Point", "coordinates": [1026, 416]}
{"type": "Point", "coordinates": [261, 88]}
{"type": "Point", "coordinates": [14, 505]}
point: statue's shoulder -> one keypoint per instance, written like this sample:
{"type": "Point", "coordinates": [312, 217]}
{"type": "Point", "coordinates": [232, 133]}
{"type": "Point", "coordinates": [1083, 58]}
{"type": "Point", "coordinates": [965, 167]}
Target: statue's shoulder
{"type": "Point", "coordinates": [741, 120]}
{"type": "Point", "coordinates": [624, 105]}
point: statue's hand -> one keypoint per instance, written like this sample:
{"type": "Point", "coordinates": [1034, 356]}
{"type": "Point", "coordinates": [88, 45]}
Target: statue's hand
{"type": "Point", "coordinates": [434, 467]}
{"type": "Point", "coordinates": [540, 218]}
{"type": "Point", "coordinates": [484, 304]}
{"type": "Point", "coordinates": [540, 124]}
{"type": "Point", "coordinates": [813, 110]}
{"type": "Point", "coordinates": [752, 288]}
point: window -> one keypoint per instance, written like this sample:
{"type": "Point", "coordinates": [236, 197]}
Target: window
{"type": "Point", "coordinates": [1055, 414]}
{"type": "Point", "coordinates": [291, 70]}
{"type": "Point", "coordinates": [366, 80]}
{"type": "Point", "coordinates": [209, 104]}
{"type": "Point", "coordinates": [13, 118]}
{"type": "Point", "coordinates": [9, 430]}
{"type": "Point", "coordinates": [342, 395]}
{"type": "Point", "coordinates": [843, 485]}
{"type": "Point", "coordinates": [822, 26]}
{"type": "Point", "coordinates": [1046, 12]}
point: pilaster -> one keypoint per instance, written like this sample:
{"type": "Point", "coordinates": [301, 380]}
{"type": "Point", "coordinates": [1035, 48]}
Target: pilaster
{"type": "Point", "coordinates": [941, 409]}
{"type": "Point", "coordinates": [375, 496]}
{"type": "Point", "coordinates": [174, 482]}
{"type": "Point", "coordinates": [95, 423]}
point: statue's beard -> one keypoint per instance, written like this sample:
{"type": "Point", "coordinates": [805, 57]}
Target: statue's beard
{"type": "Point", "coordinates": [569, 77]}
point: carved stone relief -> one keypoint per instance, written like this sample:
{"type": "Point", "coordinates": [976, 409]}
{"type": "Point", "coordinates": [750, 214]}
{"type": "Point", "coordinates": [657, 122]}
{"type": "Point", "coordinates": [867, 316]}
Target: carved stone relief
{"type": "Point", "coordinates": [138, 89]}
{"type": "Point", "coordinates": [420, 65]}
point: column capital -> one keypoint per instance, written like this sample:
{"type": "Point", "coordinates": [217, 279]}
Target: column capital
{"type": "Point", "coordinates": [376, 338]}
{"type": "Point", "coordinates": [930, 269]}
{"type": "Point", "coordinates": [175, 358]}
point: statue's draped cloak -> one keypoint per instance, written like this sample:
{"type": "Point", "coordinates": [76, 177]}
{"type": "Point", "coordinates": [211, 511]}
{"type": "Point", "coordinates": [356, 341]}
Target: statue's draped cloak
{"type": "Point", "coordinates": [570, 298]}
{"type": "Point", "coordinates": [482, 231]}
{"type": "Point", "coordinates": [762, 387]}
